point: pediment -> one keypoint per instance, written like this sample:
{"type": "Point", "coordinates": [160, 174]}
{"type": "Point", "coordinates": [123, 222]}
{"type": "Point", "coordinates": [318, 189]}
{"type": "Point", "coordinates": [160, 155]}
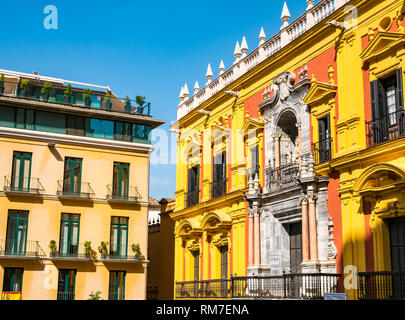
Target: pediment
{"type": "Point", "coordinates": [318, 92]}
{"type": "Point", "coordinates": [381, 43]}
{"type": "Point", "coordinates": [252, 124]}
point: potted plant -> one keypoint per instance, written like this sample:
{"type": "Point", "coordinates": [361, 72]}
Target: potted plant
{"type": "Point", "coordinates": [136, 250]}
{"type": "Point", "coordinates": [127, 104]}
{"type": "Point", "coordinates": [140, 101]}
{"type": "Point", "coordinates": [2, 83]}
{"type": "Point", "coordinates": [107, 99]}
{"type": "Point", "coordinates": [52, 246]}
{"type": "Point", "coordinates": [87, 97]}
{"type": "Point", "coordinates": [88, 251]}
{"type": "Point", "coordinates": [95, 296]}
{"type": "Point", "coordinates": [103, 249]}
{"type": "Point", "coordinates": [46, 90]}
{"type": "Point", "coordinates": [67, 93]}
{"type": "Point", "coordinates": [23, 86]}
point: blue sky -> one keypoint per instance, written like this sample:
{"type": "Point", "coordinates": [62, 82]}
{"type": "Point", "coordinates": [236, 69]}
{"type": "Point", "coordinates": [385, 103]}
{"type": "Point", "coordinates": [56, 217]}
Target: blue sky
{"type": "Point", "coordinates": [148, 48]}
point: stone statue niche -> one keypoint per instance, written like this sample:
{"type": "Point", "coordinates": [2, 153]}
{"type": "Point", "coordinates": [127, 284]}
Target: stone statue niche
{"type": "Point", "coordinates": [287, 126]}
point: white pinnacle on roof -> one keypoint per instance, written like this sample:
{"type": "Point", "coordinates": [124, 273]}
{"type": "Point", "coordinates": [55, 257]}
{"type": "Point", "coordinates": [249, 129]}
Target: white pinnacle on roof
{"type": "Point", "coordinates": [196, 87]}
{"type": "Point", "coordinates": [262, 36]}
{"type": "Point", "coordinates": [185, 92]}
{"type": "Point", "coordinates": [244, 47]}
{"type": "Point", "coordinates": [285, 15]}
{"type": "Point", "coordinates": [221, 67]}
{"type": "Point", "coordinates": [310, 4]}
{"type": "Point", "coordinates": [181, 93]}
{"type": "Point", "coordinates": [237, 53]}
{"type": "Point", "coordinates": [209, 74]}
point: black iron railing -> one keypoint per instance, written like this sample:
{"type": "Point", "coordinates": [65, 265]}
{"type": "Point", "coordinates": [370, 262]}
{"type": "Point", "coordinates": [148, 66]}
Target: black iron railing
{"type": "Point", "coordinates": [72, 251]}
{"type": "Point", "coordinates": [77, 190]}
{"type": "Point", "coordinates": [65, 295]}
{"type": "Point", "coordinates": [205, 289]}
{"type": "Point", "coordinates": [130, 194]}
{"type": "Point", "coordinates": [218, 188]}
{"type": "Point", "coordinates": [120, 252]}
{"type": "Point", "coordinates": [191, 198]}
{"type": "Point", "coordinates": [281, 178]}
{"type": "Point", "coordinates": [389, 127]}
{"type": "Point", "coordinates": [24, 185]}
{"type": "Point", "coordinates": [383, 285]}
{"type": "Point", "coordinates": [322, 150]}
{"type": "Point", "coordinates": [29, 248]}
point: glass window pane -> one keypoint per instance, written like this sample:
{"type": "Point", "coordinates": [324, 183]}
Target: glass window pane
{"type": "Point", "coordinates": [97, 128]}
{"type": "Point", "coordinates": [95, 101]}
{"type": "Point", "coordinates": [20, 118]}
{"type": "Point", "coordinates": [7, 117]}
{"type": "Point", "coordinates": [29, 119]}
{"type": "Point", "coordinates": [50, 122]}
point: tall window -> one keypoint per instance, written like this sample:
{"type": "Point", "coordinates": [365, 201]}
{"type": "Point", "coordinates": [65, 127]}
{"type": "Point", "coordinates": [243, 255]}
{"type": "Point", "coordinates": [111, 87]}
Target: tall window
{"type": "Point", "coordinates": [123, 131]}
{"type": "Point", "coordinates": [295, 233]}
{"type": "Point", "coordinates": [397, 240]}
{"type": "Point", "coordinates": [66, 284]}
{"type": "Point", "coordinates": [13, 278]}
{"type": "Point", "coordinates": [324, 147]}
{"type": "Point", "coordinates": [121, 179]}
{"type": "Point", "coordinates": [17, 225]}
{"type": "Point", "coordinates": [219, 175]}
{"type": "Point", "coordinates": [193, 185]}
{"type": "Point", "coordinates": [69, 234]}
{"type": "Point", "coordinates": [224, 269]}
{"type": "Point", "coordinates": [24, 118]}
{"type": "Point", "coordinates": [117, 285]}
{"type": "Point", "coordinates": [72, 175]}
{"type": "Point", "coordinates": [119, 236]}
{"type": "Point", "coordinates": [254, 161]}
{"type": "Point", "coordinates": [75, 125]}
{"type": "Point", "coordinates": [196, 256]}
{"type": "Point", "coordinates": [21, 171]}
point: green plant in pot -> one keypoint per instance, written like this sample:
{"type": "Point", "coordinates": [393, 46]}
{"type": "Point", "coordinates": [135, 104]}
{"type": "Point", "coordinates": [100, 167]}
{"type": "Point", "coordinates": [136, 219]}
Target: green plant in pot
{"type": "Point", "coordinates": [95, 296]}
{"type": "Point", "coordinates": [140, 100]}
{"type": "Point", "coordinates": [46, 90]}
{"type": "Point", "coordinates": [2, 83]}
{"type": "Point", "coordinates": [87, 97]}
{"type": "Point", "coordinates": [23, 86]}
{"type": "Point", "coordinates": [127, 102]}
{"type": "Point", "coordinates": [88, 251]}
{"type": "Point", "coordinates": [107, 99]}
{"type": "Point", "coordinates": [67, 94]}
{"type": "Point", "coordinates": [136, 249]}
{"type": "Point", "coordinates": [103, 249]}
{"type": "Point", "coordinates": [52, 246]}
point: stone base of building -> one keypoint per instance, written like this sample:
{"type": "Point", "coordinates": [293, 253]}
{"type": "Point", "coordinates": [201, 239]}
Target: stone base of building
{"type": "Point", "coordinates": [261, 271]}
{"type": "Point", "coordinates": [318, 266]}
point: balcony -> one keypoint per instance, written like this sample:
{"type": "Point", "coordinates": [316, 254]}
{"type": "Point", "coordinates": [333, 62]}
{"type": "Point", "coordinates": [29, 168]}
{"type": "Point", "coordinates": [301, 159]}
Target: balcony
{"type": "Point", "coordinates": [71, 252]}
{"type": "Point", "coordinates": [97, 99]}
{"type": "Point", "coordinates": [385, 129]}
{"type": "Point", "coordinates": [281, 178]}
{"type": "Point", "coordinates": [191, 198]}
{"type": "Point", "coordinates": [12, 249]}
{"type": "Point", "coordinates": [24, 186]}
{"type": "Point", "coordinates": [218, 188]}
{"type": "Point", "coordinates": [383, 285]}
{"type": "Point", "coordinates": [75, 191]}
{"type": "Point", "coordinates": [131, 195]}
{"type": "Point", "coordinates": [287, 286]}
{"type": "Point", "coordinates": [61, 295]}
{"type": "Point", "coordinates": [322, 150]}
{"type": "Point", "coordinates": [120, 254]}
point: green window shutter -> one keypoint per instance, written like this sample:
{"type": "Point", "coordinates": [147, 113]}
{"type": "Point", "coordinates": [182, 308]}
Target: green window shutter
{"type": "Point", "coordinates": [399, 96]}
{"type": "Point", "coordinates": [374, 99]}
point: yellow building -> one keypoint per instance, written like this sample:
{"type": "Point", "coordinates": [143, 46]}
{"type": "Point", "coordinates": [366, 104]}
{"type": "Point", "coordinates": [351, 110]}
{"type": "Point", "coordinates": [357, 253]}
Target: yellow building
{"type": "Point", "coordinates": [350, 54]}
{"type": "Point", "coordinates": [74, 199]}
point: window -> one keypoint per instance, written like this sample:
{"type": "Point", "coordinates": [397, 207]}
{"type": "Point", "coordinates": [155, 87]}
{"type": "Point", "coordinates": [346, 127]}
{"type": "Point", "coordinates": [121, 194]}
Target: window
{"type": "Point", "coordinates": [117, 285]}
{"type": "Point", "coordinates": [323, 149]}
{"type": "Point", "coordinates": [16, 238]}
{"type": "Point", "coordinates": [119, 236]}
{"type": "Point", "coordinates": [193, 186]}
{"type": "Point", "coordinates": [21, 171]}
{"type": "Point", "coordinates": [7, 116]}
{"type": "Point", "coordinates": [141, 133]}
{"type": "Point", "coordinates": [295, 233]}
{"type": "Point", "coordinates": [224, 269]}
{"type": "Point", "coordinates": [255, 161]}
{"type": "Point", "coordinates": [75, 125]}
{"type": "Point", "coordinates": [66, 284]}
{"type": "Point", "coordinates": [219, 175]}
{"type": "Point", "coordinates": [121, 179]}
{"type": "Point", "coordinates": [69, 234]}
{"type": "Point", "coordinates": [72, 175]}
{"type": "Point", "coordinates": [123, 131]}
{"type": "Point", "coordinates": [13, 278]}
{"type": "Point", "coordinates": [196, 256]}
{"type": "Point", "coordinates": [98, 128]}
{"type": "Point", "coordinates": [397, 240]}
{"type": "Point", "coordinates": [25, 119]}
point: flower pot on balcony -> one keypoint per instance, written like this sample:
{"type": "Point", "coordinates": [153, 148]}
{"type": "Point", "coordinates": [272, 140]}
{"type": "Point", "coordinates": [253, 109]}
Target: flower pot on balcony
{"type": "Point", "coordinates": [103, 256]}
{"type": "Point", "coordinates": [66, 99]}
{"type": "Point", "coordinates": [87, 255]}
{"type": "Point", "coordinates": [87, 102]}
{"type": "Point", "coordinates": [22, 92]}
{"type": "Point", "coordinates": [45, 96]}
{"type": "Point", "coordinates": [136, 258]}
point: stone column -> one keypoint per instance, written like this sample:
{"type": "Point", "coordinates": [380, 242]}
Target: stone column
{"type": "Point", "coordinates": [257, 237]}
{"type": "Point", "coordinates": [251, 239]}
{"type": "Point", "coordinates": [276, 138]}
{"type": "Point", "coordinates": [312, 228]}
{"type": "Point", "coordinates": [305, 243]}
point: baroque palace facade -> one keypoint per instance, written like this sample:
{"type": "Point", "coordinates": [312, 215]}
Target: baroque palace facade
{"type": "Point", "coordinates": [290, 163]}
{"type": "Point", "coordinates": [74, 191]}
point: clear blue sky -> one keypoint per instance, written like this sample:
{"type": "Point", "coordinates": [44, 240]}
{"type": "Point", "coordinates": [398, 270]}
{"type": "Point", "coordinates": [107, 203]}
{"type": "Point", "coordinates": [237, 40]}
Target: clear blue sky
{"type": "Point", "coordinates": [148, 48]}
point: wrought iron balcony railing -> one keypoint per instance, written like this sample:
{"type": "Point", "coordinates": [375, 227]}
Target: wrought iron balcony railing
{"type": "Point", "coordinates": [119, 253]}
{"type": "Point", "coordinates": [74, 190]}
{"type": "Point", "coordinates": [382, 285]}
{"type": "Point", "coordinates": [281, 178]}
{"type": "Point", "coordinates": [286, 286]}
{"type": "Point", "coordinates": [384, 129]}
{"type": "Point", "coordinates": [65, 295]}
{"type": "Point", "coordinates": [23, 249]}
{"type": "Point", "coordinates": [322, 150]}
{"type": "Point", "coordinates": [130, 195]}
{"type": "Point", "coordinates": [218, 188]}
{"type": "Point", "coordinates": [191, 198]}
{"type": "Point", "coordinates": [71, 252]}
{"type": "Point", "coordinates": [23, 185]}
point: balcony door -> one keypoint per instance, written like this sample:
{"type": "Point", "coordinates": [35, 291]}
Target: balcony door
{"type": "Point", "coordinates": [16, 238]}
{"type": "Point", "coordinates": [295, 234]}
{"type": "Point", "coordinates": [21, 171]}
{"type": "Point", "coordinates": [193, 185]}
{"type": "Point", "coordinates": [119, 236]}
{"type": "Point", "coordinates": [397, 240]}
{"type": "Point", "coordinates": [120, 179]}
{"type": "Point", "coordinates": [117, 285]}
{"type": "Point", "coordinates": [324, 139]}
{"type": "Point", "coordinates": [224, 270]}
{"type": "Point", "coordinates": [219, 175]}
{"type": "Point", "coordinates": [72, 175]}
{"type": "Point", "coordinates": [66, 284]}
{"type": "Point", "coordinates": [69, 234]}
{"type": "Point", "coordinates": [12, 281]}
